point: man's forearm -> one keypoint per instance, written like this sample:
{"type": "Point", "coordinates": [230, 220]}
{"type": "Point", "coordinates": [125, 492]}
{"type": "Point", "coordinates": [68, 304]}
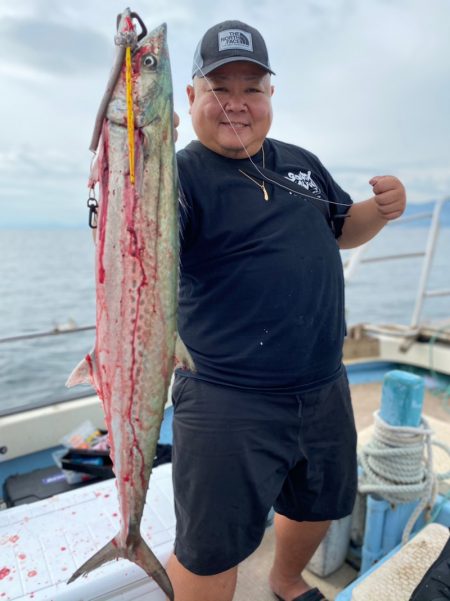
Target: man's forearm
{"type": "Point", "coordinates": [367, 218]}
{"type": "Point", "coordinates": [362, 224]}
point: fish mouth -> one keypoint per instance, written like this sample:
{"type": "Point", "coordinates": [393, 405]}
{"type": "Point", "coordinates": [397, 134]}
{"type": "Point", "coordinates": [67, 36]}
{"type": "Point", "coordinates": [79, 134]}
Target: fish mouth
{"type": "Point", "coordinates": [143, 121]}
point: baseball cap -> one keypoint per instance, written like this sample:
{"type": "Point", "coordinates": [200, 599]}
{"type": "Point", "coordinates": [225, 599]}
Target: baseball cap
{"type": "Point", "coordinates": [227, 42]}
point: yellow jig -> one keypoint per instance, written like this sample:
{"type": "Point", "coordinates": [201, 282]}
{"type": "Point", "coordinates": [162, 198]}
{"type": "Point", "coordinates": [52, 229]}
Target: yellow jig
{"type": "Point", "coordinates": [130, 114]}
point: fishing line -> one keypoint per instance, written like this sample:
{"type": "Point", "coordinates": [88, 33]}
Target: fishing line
{"type": "Point", "coordinates": [264, 177]}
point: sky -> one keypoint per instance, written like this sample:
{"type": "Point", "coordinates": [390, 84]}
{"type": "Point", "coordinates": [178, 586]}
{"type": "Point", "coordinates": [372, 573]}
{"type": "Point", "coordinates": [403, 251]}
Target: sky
{"type": "Point", "coordinates": [363, 84]}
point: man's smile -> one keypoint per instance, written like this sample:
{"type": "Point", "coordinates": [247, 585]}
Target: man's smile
{"type": "Point", "coordinates": [235, 124]}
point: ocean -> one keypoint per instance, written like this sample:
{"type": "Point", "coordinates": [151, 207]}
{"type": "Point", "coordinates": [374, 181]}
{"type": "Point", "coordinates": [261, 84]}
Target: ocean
{"type": "Point", "coordinates": [47, 280]}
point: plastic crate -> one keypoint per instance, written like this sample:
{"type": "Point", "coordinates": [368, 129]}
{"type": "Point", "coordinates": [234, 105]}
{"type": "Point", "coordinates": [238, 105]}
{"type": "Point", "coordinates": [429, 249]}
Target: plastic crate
{"type": "Point", "coordinates": [384, 529]}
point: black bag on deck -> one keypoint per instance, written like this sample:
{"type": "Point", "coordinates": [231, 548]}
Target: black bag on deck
{"type": "Point", "coordinates": [99, 464]}
{"type": "Point", "coordinates": [20, 489]}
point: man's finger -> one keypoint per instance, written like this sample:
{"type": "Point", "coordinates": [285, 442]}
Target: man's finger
{"type": "Point", "coordinates": [386, 198]}
{"type": "Point", "coordinates": [384, 184]}
{"type": "Point", "coordinates": [393, 215]}
{"type": "Point", "coordinates": [176, 123]}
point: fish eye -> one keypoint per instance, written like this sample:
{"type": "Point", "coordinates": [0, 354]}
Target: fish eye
{"type": "Point", "coordinates": [149, 61]}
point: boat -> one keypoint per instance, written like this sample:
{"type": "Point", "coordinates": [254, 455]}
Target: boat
{"type": "Point", "coordinates": [80, 517]}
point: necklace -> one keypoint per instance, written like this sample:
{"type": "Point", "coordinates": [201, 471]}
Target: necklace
{"type": "Point", "coordinates": [262, 185]}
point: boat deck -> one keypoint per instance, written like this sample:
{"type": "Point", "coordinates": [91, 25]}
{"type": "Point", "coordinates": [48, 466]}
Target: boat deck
{"type": "Point", "coordinates": [253, 573]}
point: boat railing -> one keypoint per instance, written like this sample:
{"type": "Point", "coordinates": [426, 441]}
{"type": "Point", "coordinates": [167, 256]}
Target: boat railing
{"type": "Point", "coordinates": [70, 328]}
{"type": "Point", "coordinates": [356, 258]}
{"type": "Point", "coordinates": [423, 292]}
{"type": "Point", "coordinates": [63, 395]}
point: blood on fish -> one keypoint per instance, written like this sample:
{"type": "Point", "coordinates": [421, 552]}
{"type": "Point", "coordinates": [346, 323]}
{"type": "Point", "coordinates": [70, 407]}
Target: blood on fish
{"type": "Point", "coordinates": [91, 367]}
{"type": "Point", "coordinates": [22, 556]}
{"type": "Point", "coordinates": [14, 538]}
{"type": "Point", "coordinates": [32, 573]}
{"type": "Point", "coordinates": [63, 549]}
{"type": "Point", "coordinates": [4, 572]}
{"type": "Point", "coordinates": [136, 297]}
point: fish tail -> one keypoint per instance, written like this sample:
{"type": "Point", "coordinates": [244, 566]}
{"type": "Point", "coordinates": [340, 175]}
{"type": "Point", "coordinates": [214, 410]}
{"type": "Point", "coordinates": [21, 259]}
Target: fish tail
{"type": "Point", "coordinates": [107, 553]}
{"type": "Point", "coordinates": [143, 556]}
{"type": "Point", "coordinates": [138, 552]}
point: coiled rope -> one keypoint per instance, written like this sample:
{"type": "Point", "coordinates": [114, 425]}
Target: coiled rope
{"type": "Point", "coordinates": [398, 466]}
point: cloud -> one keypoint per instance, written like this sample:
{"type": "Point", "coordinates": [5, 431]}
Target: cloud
{"type": "Point", "coordinates": [52, 47]}
{"type": "Point", "coordinates": [422, 185]}
{"type": "Point", "coordinates": [32, 162]}
{"type": "Point", "coordinates": [364, 85]}
{"type": "Point", "coordinates": [42, 187]}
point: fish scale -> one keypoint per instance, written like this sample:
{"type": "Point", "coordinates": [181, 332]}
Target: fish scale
{"type": "Point", "coordinates": [136, 289]}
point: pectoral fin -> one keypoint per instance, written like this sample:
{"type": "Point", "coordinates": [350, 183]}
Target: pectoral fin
{"type": "Point", "coordinates": [183, 359]}
{"type": "Point", "coordinates": [84, 372]}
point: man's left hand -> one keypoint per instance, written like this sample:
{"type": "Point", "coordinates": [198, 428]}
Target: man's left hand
{"type": "Point", "coordinates": [389, 196]}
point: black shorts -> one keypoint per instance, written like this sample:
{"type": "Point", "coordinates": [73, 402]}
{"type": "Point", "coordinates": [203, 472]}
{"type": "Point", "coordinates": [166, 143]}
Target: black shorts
{"type": "Point", "coordinates": [237, 453]}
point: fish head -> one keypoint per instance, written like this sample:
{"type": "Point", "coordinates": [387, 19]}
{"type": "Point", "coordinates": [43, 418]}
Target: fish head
{"type": "Point", "coordinates": [154, 82]}
{"type": "Point", "coordinates": [151, 81]}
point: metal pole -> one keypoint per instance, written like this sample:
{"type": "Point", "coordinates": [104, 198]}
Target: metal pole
{"type": "Point", "coordinates": [429, 252]}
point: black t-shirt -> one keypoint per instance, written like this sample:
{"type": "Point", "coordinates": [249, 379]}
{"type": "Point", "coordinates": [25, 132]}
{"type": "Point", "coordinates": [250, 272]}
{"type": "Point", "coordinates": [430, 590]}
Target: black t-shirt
{"type": "Point", "coordinates": [261, 284]}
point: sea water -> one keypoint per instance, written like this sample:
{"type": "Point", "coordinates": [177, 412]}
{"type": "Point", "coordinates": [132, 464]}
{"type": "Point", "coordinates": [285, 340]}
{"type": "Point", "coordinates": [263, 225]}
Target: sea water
{"type": "Point", "coordinates": [47, 280]}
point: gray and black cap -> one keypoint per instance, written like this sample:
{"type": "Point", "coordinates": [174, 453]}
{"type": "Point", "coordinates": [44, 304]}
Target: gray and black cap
{"type": "Point", "coordinates": [227, 42]}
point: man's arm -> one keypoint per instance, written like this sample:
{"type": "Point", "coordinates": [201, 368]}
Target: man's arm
{"type": "Point", "coordinates": [365, 219]}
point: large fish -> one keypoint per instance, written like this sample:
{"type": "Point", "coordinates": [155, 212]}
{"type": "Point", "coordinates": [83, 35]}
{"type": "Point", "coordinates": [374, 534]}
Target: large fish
{"type": "Point", "coordinates": [136, 285]}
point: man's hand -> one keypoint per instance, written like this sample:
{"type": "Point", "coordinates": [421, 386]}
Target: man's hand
{"type": "Point", "coordinates": [389, 196]}
{"type": "Point", "coordinates": [176, 123]}
{"type": "Point", "coordinates": [368, 217]}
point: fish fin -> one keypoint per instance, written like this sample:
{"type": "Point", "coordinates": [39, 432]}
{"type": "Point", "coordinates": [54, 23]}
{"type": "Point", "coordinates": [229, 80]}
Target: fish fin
{"type": "Point", "coordinates": [142, 555]}
{"type": "Point", "coordinates": [83, 372]}
{"type": "Point", "coordinates": [138, 552]}
{"type": "Point", "coordinates": [183, 359]}
{"type": "Point", "coordinates": [107, 553]}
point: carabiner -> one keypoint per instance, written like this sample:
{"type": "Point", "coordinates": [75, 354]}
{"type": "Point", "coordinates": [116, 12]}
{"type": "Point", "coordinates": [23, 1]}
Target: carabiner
{"type": "Point", "coordinates": [92, 206]}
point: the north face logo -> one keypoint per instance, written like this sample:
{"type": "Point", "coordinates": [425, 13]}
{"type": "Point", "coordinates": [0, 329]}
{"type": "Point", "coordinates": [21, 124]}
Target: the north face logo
{"type": "Point", "coordinates": [235, 38]}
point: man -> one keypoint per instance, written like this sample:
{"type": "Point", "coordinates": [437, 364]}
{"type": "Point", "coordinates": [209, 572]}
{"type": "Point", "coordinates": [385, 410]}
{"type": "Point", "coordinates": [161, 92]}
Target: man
{"type": "Point", "coordinates": [266, 418]}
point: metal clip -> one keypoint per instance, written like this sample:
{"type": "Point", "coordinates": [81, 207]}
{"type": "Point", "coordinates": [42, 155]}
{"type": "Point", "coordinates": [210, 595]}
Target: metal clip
{"type": "Point", "coordinates": [92, 206]}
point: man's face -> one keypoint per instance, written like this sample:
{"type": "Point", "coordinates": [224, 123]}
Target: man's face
{"type": "Point", "coordinates": [244, 91]}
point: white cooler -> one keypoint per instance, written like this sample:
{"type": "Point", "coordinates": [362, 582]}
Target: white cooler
{"type": "Point", "coordinates": [42, 544]}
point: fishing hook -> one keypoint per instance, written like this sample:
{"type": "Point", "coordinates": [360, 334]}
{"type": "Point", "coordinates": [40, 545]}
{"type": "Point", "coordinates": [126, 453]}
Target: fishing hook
{"type": "Point", "coordinates": [122, 39]}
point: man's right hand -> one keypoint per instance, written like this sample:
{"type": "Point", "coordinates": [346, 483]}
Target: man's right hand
{"type": "Point", "coordinates": [176, 123]}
